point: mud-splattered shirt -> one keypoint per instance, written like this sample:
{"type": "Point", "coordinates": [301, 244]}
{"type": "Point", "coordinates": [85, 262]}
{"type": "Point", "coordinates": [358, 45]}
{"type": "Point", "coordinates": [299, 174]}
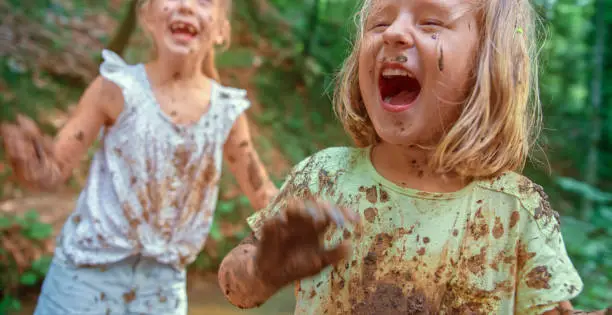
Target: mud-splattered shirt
{"type": "Point", "coordinates": [153, 185]}
{"type": "Point", "coordinates": [493, 247]}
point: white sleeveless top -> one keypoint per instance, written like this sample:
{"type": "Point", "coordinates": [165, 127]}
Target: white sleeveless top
{"type": "Point", "coordinates": [153, 185]}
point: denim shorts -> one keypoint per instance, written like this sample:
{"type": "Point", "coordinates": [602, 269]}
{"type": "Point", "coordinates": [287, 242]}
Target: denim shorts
{"type": "Point", "coordinates": [136, 285]}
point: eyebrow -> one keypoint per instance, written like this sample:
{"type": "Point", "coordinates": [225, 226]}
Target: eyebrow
{"type": "Point", "coordinates": [453, 12]}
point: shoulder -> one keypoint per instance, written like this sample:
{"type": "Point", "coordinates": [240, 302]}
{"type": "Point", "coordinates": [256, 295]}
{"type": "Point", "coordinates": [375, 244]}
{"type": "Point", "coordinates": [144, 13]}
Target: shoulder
{"type": "Point", "coordinates": [232, 101]}
{"type": "Point", "coordinates": [104, 95]}
{"type": "Point", "coordinates": [332, 159]}
{"type": "Point", "coordinates": [531, 198]}
{"type": "Point", "coordinates": [228, 94]}
{"type": "Point", "coordinates": [114, 69]}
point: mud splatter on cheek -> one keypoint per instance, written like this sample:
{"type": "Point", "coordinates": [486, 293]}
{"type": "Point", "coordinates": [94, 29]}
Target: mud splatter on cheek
{"type": "Point", "coordinates": [441, 59]}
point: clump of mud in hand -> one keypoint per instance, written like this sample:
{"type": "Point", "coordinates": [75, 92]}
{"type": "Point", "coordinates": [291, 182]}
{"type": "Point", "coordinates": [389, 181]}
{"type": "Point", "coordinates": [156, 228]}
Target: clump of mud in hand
{"type": "Point", "coordinates": [291, 246]}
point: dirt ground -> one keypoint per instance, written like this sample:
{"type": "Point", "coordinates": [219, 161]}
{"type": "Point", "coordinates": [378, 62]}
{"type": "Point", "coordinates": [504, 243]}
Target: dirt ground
{"type": "Point", "coordinates": [205, 297]}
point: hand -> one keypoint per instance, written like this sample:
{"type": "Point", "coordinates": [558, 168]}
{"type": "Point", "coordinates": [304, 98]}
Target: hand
{"type": "Point", "coordinates": [291, 244]}
{"type": "Point", "coordinates": [29, 152]}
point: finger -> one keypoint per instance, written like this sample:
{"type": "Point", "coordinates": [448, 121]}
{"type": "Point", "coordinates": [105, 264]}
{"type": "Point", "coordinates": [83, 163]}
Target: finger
{"type": "Point", "coordinates": [303, 215]}
{"type": "Point", "coordinates": [335, 255]}
{"type": "Point", "coordinates": [318, 213]}
{"type": "Point", "coordinates": [48, 144]}
{"type": "Point", "coordinates": [272, 233]}
{"type": "Point", "coordinates": [348, 214]}
{"type": "Point", "coordinates": [336, 215]}
{"type": "Point", "coordinates": [28, 126]}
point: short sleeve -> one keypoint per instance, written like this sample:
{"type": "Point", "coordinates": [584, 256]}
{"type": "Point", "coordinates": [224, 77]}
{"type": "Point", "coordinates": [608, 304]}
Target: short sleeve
{"type": "Point", "coordinates": [297, 184]}
{"type": "Point", "coordinates": [113, 68]}
{"type": "Point", "coordinates": [232, 103]}
{"type": "Point", "coordinates": [546, 275]}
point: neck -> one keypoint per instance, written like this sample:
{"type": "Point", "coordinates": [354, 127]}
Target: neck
{"type": "Point", "coordinates": [170, 67]}
{"type": "Point", "coordinates": [408, 166]}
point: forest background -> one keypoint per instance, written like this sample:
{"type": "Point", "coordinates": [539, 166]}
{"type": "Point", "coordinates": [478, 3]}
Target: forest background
{"type": "Point", "coordinates": [285, 53]}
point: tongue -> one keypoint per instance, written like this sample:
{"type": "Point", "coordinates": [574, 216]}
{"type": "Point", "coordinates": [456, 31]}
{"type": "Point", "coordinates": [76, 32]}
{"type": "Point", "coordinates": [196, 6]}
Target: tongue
{"type": "Point", "coordinates": [402, 98]}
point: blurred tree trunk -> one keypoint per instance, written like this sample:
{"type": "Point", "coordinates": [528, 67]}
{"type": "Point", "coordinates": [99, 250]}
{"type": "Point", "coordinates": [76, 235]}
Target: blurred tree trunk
{"type": "Point", "coordinates": [313, 24]}
{"type": "Point", "coordinates": [123, 34]}
{"type": "Point", "coordinates": [592, 164]}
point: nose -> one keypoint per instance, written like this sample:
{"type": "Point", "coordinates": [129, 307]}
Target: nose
{"type": "Point", "coordinates": [398, 35]}
{"type": "Point", "coordinates": [186, 7]}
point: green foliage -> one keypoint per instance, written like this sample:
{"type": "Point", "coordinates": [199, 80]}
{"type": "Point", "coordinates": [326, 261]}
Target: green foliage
{"type": "Point", "coordinates": [589, 244]}
{"type": "Point", "coordinates": [17, 273]}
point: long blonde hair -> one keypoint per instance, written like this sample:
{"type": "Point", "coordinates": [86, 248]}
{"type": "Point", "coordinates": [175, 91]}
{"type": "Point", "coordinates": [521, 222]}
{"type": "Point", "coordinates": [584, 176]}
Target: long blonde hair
{"type": "Point", "coordinates": [208, 65]}
{"type": "Point", "coordinates": [500, 119]}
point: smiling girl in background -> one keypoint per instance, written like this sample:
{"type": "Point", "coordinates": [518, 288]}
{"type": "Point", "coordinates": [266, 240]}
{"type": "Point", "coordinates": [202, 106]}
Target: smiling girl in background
{"type": "Point", "coordinates": [149, 202]}
{"type": "Point", "coordinates": [438, 97]}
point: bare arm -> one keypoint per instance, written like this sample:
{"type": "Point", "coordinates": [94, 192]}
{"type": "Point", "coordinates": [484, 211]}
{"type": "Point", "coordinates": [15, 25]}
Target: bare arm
{"type": "Point", "coordinates": [43, 163]}
{"type": "Point", "coordinates": [245, 164]}
{"type": "Point", "coordinates": [238, 279]}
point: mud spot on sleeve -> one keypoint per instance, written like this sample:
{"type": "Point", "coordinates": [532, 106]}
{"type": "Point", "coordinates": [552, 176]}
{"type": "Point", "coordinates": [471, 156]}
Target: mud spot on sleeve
{"type": "Point", "coordinates": [522, 255]}
{"type": "Point", "coordinates": [538, 278]}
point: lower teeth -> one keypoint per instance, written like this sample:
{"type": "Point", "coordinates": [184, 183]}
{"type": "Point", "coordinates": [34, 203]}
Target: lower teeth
{"type": "Point", "coordinates": [387, 99]}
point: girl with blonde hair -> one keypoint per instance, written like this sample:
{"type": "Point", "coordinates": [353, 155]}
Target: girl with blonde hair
{"type": "Point", "coordinates": [428, 215]}
{"type": "Point", "coordinates": [149, 201]}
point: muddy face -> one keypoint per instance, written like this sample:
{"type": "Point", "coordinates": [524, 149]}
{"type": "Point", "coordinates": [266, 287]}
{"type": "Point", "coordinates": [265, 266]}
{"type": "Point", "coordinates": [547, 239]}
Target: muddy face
{"type": "Point", "coordinates": [415, 98]}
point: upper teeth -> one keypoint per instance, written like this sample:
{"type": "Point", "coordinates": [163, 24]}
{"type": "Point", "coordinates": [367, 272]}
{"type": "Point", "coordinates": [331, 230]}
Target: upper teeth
{"type": "Point", "coordinates": [396, 72]}
{"type": "Point", "coordinates": [179, 25]}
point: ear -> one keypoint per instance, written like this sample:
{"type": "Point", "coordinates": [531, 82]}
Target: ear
{"type": "Point", "coordinates": [144, 17]}
{"type": "Point", "coordinates": [223, 33]}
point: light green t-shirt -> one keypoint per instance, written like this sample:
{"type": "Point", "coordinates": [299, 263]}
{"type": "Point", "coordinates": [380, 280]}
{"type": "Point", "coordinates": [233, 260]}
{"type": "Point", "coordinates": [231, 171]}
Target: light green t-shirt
{"type": "Point", "coordinates": [493, 247]}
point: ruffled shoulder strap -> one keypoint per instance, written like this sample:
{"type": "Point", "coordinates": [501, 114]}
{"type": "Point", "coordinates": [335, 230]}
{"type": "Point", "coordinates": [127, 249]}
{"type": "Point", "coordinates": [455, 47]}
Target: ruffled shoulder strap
{"type": "Point", "coordinates": [115, 69]}
{"type": "Point", "coordinates": [232, 102]}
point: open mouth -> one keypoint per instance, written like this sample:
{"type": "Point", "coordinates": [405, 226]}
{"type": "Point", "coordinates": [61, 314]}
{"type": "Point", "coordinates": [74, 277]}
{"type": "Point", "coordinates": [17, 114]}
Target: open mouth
{"type": "Point", "coordinates": [398, 89]}
{"type": "Point", "coordinates": [183, 30]}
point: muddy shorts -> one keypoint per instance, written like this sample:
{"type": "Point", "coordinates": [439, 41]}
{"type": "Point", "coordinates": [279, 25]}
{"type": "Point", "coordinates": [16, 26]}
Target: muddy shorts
{"type": "Point", "coordinates": [133, 286]}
